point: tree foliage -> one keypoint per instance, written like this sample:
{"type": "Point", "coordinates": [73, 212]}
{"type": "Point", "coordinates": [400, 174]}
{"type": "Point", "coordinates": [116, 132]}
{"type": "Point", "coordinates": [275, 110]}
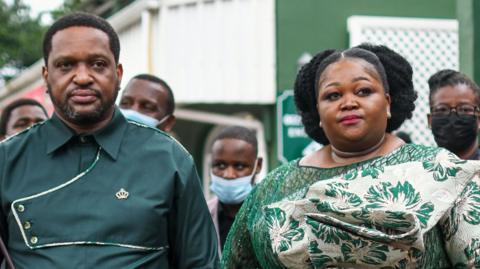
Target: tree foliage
{"type": "Point", "coordinates": [103, 8]}
{"type": "Point", "coordinates": [20, 35]}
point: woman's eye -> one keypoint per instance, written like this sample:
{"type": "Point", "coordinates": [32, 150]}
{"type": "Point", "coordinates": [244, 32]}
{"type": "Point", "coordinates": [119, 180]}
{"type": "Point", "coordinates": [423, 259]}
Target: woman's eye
{"type": "Point", "coordinates": [332, 96]}
{"type": "Point", "coordinates": [364, 92]}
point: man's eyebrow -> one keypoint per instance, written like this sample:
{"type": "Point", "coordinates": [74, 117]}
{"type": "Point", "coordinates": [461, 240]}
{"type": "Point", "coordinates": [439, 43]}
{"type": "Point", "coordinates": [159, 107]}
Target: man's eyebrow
{"type": "Point", "coordinates": [62, 58]}
{"type": "Point", "coordinates": [98, 55]}
{"type": "Point", "coordinates": [89, 57]}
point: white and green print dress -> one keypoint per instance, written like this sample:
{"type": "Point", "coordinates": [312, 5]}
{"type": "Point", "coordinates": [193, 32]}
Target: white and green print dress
{"type": "Point", "coordinates": [417, 207]}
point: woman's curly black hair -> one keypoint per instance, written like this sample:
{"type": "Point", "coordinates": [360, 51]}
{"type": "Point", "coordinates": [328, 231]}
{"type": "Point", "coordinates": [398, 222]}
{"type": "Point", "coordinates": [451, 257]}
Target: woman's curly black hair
{"type": "Point", "coordinates": [395, 73]}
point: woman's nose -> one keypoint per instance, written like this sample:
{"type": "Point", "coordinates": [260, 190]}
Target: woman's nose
{"type": "Point", "coordinates": [349, 102]}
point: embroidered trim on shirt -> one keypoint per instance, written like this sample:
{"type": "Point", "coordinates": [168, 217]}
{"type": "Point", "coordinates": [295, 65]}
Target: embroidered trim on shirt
{"type": "Point", "coordinates": [161, 132]}
{"type": "Point", "coordinates": [12, 206]}
{"type": "Point", "coordinates": [22, 131]}
{"type": "Point", "coordinates": [100, 244]}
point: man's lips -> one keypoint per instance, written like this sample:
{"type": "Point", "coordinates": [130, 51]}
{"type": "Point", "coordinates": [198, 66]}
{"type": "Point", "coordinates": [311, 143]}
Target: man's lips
{"type": "Point", "coordinates": [83, 96]}
{"type": "Point", "coordinates": [350, 119]}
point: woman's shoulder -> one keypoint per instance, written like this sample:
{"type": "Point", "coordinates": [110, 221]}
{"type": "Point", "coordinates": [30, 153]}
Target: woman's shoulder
{"type": "Point", "coordinates": [281, 171]}
{"type": "Point", "coordinates": [416, 152]}
{"type": "Point", "coordinates": [277, 180]}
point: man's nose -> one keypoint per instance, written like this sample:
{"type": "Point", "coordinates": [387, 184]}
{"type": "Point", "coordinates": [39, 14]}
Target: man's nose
{"type": "Point", "coordinates": [135, 106]}
{"type": "Point", "coordinates": [82, 75]}
{"type": "Point", "coordinates": [230, 173]}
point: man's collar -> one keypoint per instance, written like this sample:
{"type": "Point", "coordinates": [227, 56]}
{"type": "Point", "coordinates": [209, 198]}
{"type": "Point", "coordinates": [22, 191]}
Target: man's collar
{"type": "Point", "coordinates": [58, 133]}
{"type": "Point", "coordinates": [109, 138]}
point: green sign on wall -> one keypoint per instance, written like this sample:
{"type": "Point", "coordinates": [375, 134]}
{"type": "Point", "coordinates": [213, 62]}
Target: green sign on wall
{"type": "Point", "coordinates": [291, 139]}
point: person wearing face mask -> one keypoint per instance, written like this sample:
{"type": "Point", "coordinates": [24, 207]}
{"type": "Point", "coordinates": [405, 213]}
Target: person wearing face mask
{"type": "Point", "coordinates": [149, 100]}
{"type": "Point", "coordinates": [235, 163]}
{"type": "Point", "coordinates": [453, 118]}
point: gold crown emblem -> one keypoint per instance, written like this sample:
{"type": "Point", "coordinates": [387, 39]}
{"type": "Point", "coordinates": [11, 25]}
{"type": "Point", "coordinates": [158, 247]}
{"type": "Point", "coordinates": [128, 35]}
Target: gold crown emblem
{"type": "Point", "coordinates": [122, 194]}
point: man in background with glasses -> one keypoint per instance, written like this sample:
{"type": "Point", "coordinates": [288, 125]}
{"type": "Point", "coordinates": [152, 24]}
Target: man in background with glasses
{"type": "Point", "coordinates": [454, 110]}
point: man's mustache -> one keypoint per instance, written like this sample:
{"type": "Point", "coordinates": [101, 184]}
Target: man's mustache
{"type": "Point", "coordinates": [91, 91]}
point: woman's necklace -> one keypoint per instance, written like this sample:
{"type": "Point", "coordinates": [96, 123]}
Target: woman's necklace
{"type": "Point", "coordinates": [345, 154]}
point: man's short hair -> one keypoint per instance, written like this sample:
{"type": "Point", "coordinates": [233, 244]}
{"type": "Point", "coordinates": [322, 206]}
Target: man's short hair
{"type": "Point", "coordinates": [81, 19]}
{"type": "Point", "coordinates": [170, 98]}
{"type": "Point", "coordinates": [240, 133]}
{"type": "Point", "coordinates": [7, 111]}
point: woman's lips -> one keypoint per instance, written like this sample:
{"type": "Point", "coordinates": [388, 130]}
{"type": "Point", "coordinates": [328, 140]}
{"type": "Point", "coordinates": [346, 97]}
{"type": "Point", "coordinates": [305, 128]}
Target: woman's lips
{"type": "Point", "coordinates": [350, 120]}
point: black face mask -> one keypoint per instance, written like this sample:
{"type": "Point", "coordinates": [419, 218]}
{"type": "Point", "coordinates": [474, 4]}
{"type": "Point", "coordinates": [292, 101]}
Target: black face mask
{"type": "Point", "coordinates": [453, 132]}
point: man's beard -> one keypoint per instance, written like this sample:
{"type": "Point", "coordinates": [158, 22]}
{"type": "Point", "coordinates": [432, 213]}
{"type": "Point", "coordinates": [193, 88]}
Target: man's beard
{"type": "Point", "coordinates": [62, 107]}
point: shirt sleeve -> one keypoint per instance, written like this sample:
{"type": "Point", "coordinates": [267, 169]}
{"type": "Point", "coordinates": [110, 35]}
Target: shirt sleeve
{"type": "Point", "coordinates": [461, 228]}
{"type": "Point", "coordinates": [192, 236]}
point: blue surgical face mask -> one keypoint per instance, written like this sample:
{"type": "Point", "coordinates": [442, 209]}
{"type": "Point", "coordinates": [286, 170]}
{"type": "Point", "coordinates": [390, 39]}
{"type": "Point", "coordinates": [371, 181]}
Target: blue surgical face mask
{"type": "Point", "coordinates": [232, 191]}
{"type": "Point", "coordinates": [140, 118]}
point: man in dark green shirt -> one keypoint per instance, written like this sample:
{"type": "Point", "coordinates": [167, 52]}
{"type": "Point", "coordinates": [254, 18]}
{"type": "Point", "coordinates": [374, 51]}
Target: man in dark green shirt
{"type": "Point", "coordinates": [87, 188]}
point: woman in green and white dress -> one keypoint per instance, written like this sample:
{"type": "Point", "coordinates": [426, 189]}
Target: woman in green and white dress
{"type": "Point", "coordinates": [366, 199]}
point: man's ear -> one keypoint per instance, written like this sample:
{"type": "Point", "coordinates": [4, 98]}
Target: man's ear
{"type": "Point", "coordinates": [45, 79]}
{"type": "Point", "coordinates": [429, 120]}
{"type": "Point", "coordinates": [259, 165]}
{"type": "Point", "coordinates": [167, 126]}
{"type": "Point", "coordinates": [119, 70]}
{"type": "Point", "coordinates": [478, 122]}
{"type": "Point", "coordinates": [45, 73]}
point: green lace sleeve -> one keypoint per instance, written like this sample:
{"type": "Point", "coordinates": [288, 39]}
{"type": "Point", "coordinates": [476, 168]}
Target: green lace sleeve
{"type": "Point", "coordinates": [238, 250]}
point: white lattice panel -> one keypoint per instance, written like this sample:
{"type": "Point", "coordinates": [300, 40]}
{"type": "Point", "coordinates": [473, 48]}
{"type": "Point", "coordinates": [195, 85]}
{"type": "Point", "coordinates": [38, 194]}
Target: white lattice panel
{"type": "Point", "coordinates": [428, 44]}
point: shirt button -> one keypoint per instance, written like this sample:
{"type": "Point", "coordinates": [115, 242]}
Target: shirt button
{"type": "Point", "coordinates": [20, 208]}
{"type": "Point", "coordinates": [83, 139]}
{"type": "Point", "coordinates": [34, 240]}
{"type": "Point", "coordinates": [27, 225]}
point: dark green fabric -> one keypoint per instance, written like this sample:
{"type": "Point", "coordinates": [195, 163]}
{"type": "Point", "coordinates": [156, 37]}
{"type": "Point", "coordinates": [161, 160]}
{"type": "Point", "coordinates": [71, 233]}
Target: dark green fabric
{"type": "Point", "coordinates": [163, 223]}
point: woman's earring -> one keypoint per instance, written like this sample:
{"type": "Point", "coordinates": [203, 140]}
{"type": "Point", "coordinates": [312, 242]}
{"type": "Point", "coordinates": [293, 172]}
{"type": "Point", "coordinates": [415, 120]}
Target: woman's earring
{"type": "Point", "coordinates": [320, 124]}
{"type": "Point", "coordinates": [389, 115]}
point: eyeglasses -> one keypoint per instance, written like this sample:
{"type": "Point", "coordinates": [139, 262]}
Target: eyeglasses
{"type": "Point", "coordinates": [461, 110]}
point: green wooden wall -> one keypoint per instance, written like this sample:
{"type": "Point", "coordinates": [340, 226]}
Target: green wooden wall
{"type": "Point", "coordinates": [315, 25]}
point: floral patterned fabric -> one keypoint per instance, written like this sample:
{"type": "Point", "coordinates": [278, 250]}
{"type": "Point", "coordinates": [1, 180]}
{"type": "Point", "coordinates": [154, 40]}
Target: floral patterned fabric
{"type": "Point", "coordinates": [417, 207]}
